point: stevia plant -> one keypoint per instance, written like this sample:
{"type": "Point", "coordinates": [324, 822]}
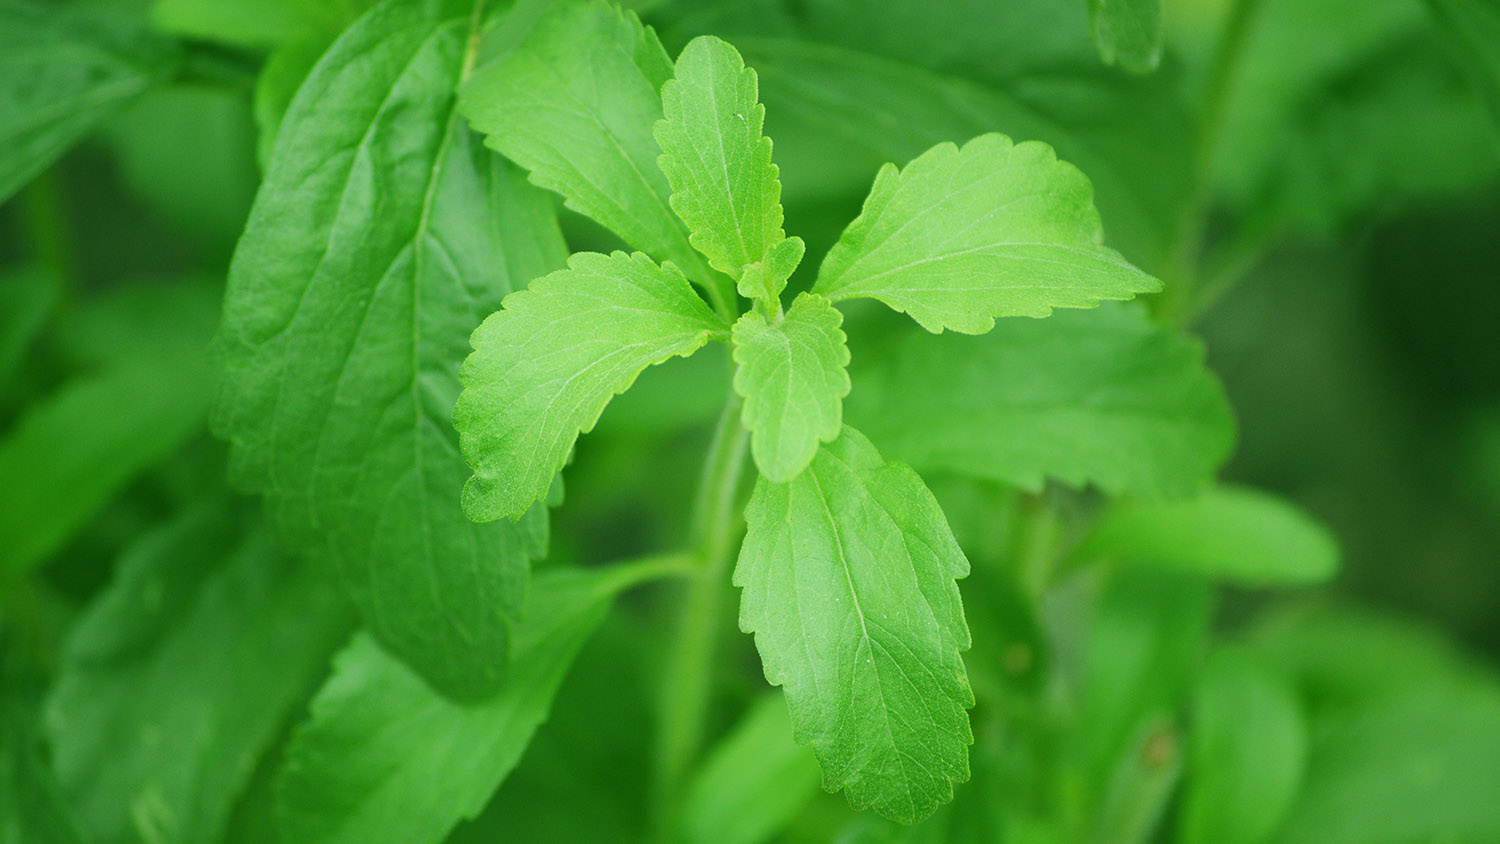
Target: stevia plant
{"type": "Point", "coordinates": [972, 527]}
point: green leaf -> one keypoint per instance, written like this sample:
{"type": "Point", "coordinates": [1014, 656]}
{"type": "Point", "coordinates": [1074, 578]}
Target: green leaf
{"type": "Point", "coordinates": [1129, 134]}
{"type": "Point", "coordinates": [1103, 397]}
{"type": "Point", "coordinates": [280, 77]}
{"type": "Point", "coordinates": [724, 185]}
{"type": "Point", "coordinates": [27, 299]}
{"type": "Point", "coordinates": [1229, 533]}
{"type": "Point", "coordinates": [1247, 753]}
{"type": "Point", "coordinates": [62, 70]}
{"type": "Point", "coordinates": [1148, 633]}
{"type": "Point", "coordinates": [753, 783]}
{"type": "Point", "coordinates": [32, 810]}
{"type": "Point", "coordinates": [961, 236]}
{"type": "Point", "coordinates": [791, 374]}
{"type": "Point", "coordinates": [1474, 26]}
{"type": "Point", "coordinates": [766, 279]}
{"type": "Point", "coordinates": [575, 103]}
{"type": "Point", "coordinates": [1414, 767]}
{"type": "Point", "coordinates": [848, 576]}
{"type": "Point", "coordinates": [544, 368]}
{"type": "Point", "coordinates": [1127, 32]}
{"type": "Point", "coordinates": [255, 22]}
{"type": "Point", "coordinates": [182, 673]}
{"type": "Point", "coordinates": [384, 758]}
{"type": "Point", "coordinates": [72, 451]}
{"type": "Point", "coordinates": [383, 234]}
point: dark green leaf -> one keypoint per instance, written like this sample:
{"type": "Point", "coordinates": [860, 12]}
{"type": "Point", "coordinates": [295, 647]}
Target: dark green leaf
{"type": "Point", "coordinates": [62, 70]}
{"type": "Point", "coordinates": [383, 234]}
{"type": "Point", "coordinates": [182, 673]}
{"type": "Point", "coordinates": [386, 759]}
{"type": "Point", "coordinates": [1474, 26]}
{"type": "Point", "coordinates": [848, 585]}
{"type": "Point", "coordinates": [1102, 396]}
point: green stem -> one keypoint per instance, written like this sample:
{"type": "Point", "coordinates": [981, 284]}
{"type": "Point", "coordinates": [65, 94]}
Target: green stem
{"type": "Point", "coordinates": [1183, 266]}
{"type": "Point", "coordinates": [686, 682]}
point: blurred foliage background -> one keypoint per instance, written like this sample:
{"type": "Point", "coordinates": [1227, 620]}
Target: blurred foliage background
{"type": "Point", "coordinates": [1324, 207]}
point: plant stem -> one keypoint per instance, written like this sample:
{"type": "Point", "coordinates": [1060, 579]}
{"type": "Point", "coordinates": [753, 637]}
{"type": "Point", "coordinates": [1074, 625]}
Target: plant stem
{"type": "Point", "coordinates": [686, 681]}
{"type": "Point", "coordinates": [1183, 265]}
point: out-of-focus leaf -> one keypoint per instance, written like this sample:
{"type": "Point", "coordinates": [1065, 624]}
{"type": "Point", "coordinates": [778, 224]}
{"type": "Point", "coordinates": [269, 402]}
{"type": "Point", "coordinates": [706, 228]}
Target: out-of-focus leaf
{"type": "Point", "coordinates": [1102, 396]}
{"type": "Point", "coordinates": [149, 392]}
{"type": "Point", "coordinates": [26, 300]}
{"type": "Point", "coordinates": [1321, 129]}
{"type": "Point", "coordinates": [1127, 32]}
{"type": "Point", "coordinates": [1474, 26]}
{"type": "Point", "coordinates": [181, 674]}
{"type": "Point", "coordinates": [62, 70]}
{"type": "Point", "coordinates": [1129, 136]}
{"type": "Point", "coordinates": [255, 22]}
{"type": "Point", "coordinates": [186, 151]}
{"type": "Point", "coordinates": [1414, 767]}
{"type": "Point", "coordinates": [1142, 652]}
{"type": "Point", "coordinates": [385, 758]}
{"type": "Point", "coordinates": [752, 783]}
{"type": "Point", "coordinates": [32, 810]}
{"type": "Point", "coordinates": [1247, 752]}
{"type": "Point", "coordinates": [1228, 533]}
{"type": "Point", "coordinates": [383, 234]}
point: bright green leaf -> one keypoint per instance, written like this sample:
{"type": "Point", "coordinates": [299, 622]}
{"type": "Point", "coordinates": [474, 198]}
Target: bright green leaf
{"type": "Point", "coordinates": [1102, 396]}
{"type": "Point", "coordinates": [575, 103]}
{"type": "Point", "coordinates": [386, 759]}
{"type": "Point", "coordinates": [182, 673]}
{"type": "Point", "coordinates": [1129, 134]}
{"type": "Point", "coordinates": [545, 366]}
{"type": "Point", "coordinates": [848, 577]}
{"type": "Point", "coordinates": [766, 279]}
{"type": "Point", "coordinates": [1127, 32]}
{"type": "Point", "coordinates": [1229, 533]}
{"type": "Point", "coordinates": [791, 374]}
{"type": "Point", "coordinates": [1247, 752]}
{"type": "Point", "coordinates": [383, 234]}
{"type": "Point", "coordinates": [724, 185]}
{"type": "Point", "coordinates": [255, 22]}
{"type": "Point", "coordinates": [280, 77]}
{"type": "Point", "coordinates": [62, 70]}
{"type": "Point", "coordinates": [753, 783]}
{"type": "Point", "coordinates": [961, 236]}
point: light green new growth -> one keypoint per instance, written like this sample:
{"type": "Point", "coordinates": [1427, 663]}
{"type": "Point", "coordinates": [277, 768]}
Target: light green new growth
{"type": "Point", "coordinates": [545, 366]}
{"type": "Point", "coordinates": [724, 185]}
{"type": "Point", "coordinates": [791, 373]}
{"type": "Point", "coordinates": [961, 236]}
{"type": "Point", "coordinates": [766, 279]}
{"type": "Point", "coordinates": [848, 576]}
{"type": "Point", "coordinates": [574, 104]}
{"type": "Point", "coordinates": [1127, 32]}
